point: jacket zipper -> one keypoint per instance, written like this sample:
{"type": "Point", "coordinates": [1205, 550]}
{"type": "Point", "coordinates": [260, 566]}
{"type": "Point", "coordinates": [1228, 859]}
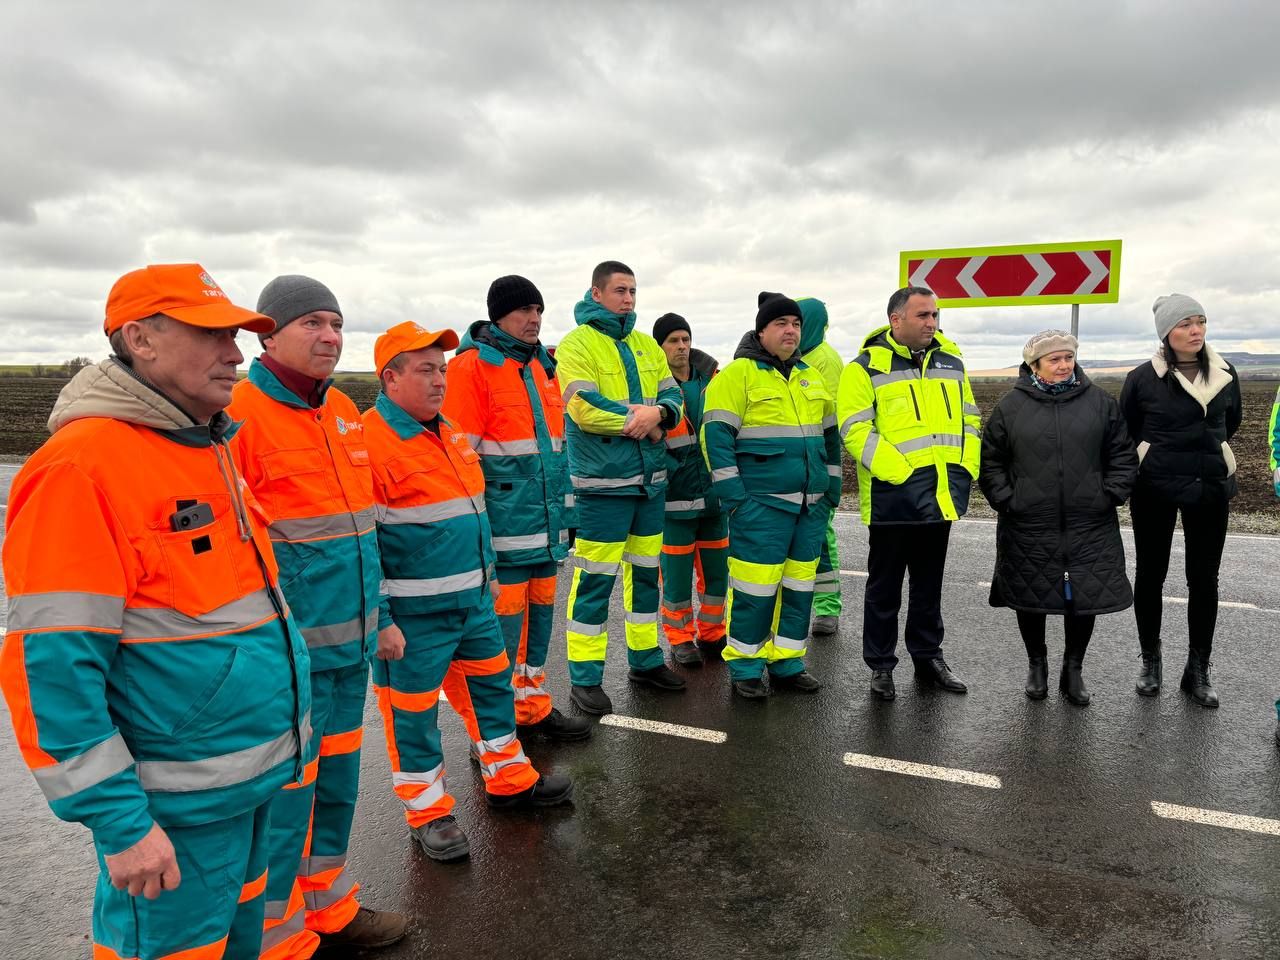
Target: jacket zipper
{"type": "Point", "coordinates": [915, 403]}
{"type": "Point", "coordinates": [1062, 510]}
{"type": "Point", "coordinates": [946, 399]}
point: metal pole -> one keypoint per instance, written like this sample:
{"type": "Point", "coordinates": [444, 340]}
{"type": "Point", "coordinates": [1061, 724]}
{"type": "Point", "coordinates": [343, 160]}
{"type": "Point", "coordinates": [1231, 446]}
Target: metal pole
{"type": "Point", "coordinates": [1075, 320]}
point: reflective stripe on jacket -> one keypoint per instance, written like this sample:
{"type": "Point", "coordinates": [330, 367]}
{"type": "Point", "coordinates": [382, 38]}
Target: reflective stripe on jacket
{"type": "Point", "coordinates": [689, 492]}
{"type": "Point", "coordinates": [601, 375]}
{"type": "Point", "coordinates": [513, 416]}
{"type": "Point", "coordinates": [915, 432]}
{"type": "Point", "coordinates": [433, 531]}
{"type": "Point", "coordinates": [1273, 435]}
{"type": "Point", "coordinates": [771, 438]}
{"type": "Point", "coordinates": [309, 470]}
{"type": "Point", "coordinates": [150, 667]}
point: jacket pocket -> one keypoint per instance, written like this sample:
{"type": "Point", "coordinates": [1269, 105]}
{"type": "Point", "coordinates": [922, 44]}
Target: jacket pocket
{"type": "Point", "coordinates": [1143, 447]}
{"type": "Point", "coordinates": [1229, 456]}
{"type": "Point", "coordinates": [221, 699]}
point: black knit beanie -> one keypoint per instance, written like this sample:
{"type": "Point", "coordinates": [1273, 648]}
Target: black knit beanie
{"type": "Point", "coordinates": [773, 306]}
{"type": "Point", "coordinates": [511, 293]}
{"type": "Point", "coordinates": [668, 324]}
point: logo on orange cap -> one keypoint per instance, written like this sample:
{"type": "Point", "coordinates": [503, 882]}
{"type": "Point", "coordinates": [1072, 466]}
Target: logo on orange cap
{"type": "Point", "coordinates": [184, 291]}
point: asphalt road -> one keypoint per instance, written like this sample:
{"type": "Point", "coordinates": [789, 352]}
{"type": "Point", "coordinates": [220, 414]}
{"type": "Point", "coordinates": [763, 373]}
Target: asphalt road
{"type": "Point", "coordinates": [770, 844]}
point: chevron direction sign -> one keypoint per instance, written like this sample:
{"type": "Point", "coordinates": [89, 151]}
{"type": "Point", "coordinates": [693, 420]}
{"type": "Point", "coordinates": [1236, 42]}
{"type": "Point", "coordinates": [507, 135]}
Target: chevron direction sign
{"type": "Point", "coordinates": [1023, 275]}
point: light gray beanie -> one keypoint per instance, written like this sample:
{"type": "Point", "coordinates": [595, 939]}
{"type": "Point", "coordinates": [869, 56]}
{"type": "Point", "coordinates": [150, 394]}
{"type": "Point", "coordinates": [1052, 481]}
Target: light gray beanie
{"type": "Point", "coordinates": [287, 298]}
{"type": "Point", "coordinates": [1172, 310]}
{"type": "Point", "coordinates": [1046, 342]}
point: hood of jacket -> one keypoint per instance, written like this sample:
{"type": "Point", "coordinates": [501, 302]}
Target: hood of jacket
{"type": "Point", "coordinates": [1202, 389]}
{"type": "Point", "coordinates": [750, 348]}
{"type": "Point", "coordinates": [813, 323]}
{"type": "Point", "coordinates": [1027, 386]}
{"type": "Point", "coordinates": [703, 362]}
{"type": "Point", "coordinates": [587, 312]}
{"type": "Point", "coordinates": [883, 337]}
{"type": "Point", "coordinates": [495, 345]}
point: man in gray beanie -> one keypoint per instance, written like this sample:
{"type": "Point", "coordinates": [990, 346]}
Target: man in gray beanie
{"type": "Point", "coordinates": [301, 450]}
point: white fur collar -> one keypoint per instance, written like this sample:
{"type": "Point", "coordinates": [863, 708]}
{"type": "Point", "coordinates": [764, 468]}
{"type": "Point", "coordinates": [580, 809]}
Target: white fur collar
{"type": "Point", "coordinates": [1202, 389]}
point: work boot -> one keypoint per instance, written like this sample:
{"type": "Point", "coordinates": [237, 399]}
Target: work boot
{"type": "Point", "coordinates": [661, 677]}
{"type": "Point", "coordinates": [551, 790]}
{"type": "Point", "coordinates": [442, 839]}
{"type": "Point", "coordinates": [1195, 680]}
{"type": "Point", "coordinates": [1152, 674]}
{"type": "Point", "coordinates": [752, 689]}
{"type": "Point", "coordinates": [711, 649]}
{"type": "Point", "coordinates": [825, 626]}
{"type": "Point", "coordinates": [1072, 684]}
{"type": "Point", "coordinates": [804, 681]}
{"type": "Point", "coordinates": [1037, 677]}
{"type": "Point", "coordinates": [556, 726]}
{"type": "Point", "coordinates": [591, 699]}
{"type": "Point", "coordinates": [686, 654]}
{"type": "Point", "coordinates": [882, 684]}
{"type": "Point", "coordinates": [367, 929]}
{"type": "Point", "coordinates": [935, 672]}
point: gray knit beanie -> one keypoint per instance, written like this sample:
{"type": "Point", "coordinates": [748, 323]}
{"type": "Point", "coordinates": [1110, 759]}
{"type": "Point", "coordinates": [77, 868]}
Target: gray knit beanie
{"type": "Point", "coordinates": [1046, 342]}
{"type": "Point", "coordinates": [1172, 310]}
{"type": "Point", "coordinates": [287, 298]}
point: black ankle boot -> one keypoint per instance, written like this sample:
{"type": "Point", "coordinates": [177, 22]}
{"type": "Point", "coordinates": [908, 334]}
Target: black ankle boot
{"type": "Point", "coordinates": [1195, 680]}
{"type": "Point", "coordinates": [1072, 684]}
{"type": "Point", "coordinates": [1037, 678]}
{"type": "Point", "coordinates": [1152, 674]}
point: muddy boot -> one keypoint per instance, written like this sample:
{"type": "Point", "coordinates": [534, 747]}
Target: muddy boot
{"type": "Point", "coordinates": [1152, 674]}
{"type": "Point", "coordinates": [1195, 680]}
{"type": "Point", "coordinates": [1072, 684]}
{"type": "Point", "coordinates": [368, 929]}
{"type": "Point", "coordinates": [1037, 677]}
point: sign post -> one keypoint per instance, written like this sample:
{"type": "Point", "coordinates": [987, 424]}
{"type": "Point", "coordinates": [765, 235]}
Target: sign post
{"type": "Point", "coordinates": [1022, 275]}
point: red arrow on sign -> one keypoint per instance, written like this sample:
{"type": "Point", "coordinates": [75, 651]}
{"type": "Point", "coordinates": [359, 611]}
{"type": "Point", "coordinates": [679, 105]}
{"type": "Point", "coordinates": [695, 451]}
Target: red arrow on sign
{"type": "Point", "coordinates": [1061, 273]}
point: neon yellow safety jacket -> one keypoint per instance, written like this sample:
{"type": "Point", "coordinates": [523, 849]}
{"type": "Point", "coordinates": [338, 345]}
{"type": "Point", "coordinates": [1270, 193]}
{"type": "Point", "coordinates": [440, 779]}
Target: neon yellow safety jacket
{"type": "Point", "coordinates": [915, 431]}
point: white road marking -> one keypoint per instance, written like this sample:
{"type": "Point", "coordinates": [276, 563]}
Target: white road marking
{"type": "Point", "coordinates": [1235, 604]}
{"type": "Point", "coordinates": [922, 770]}
{"type": "Point", "coordinates": [854, 573]}
{"type": "Point", "coordinates": [1216, 818]}
{"type": "Point", "coordinates": [670, 729]}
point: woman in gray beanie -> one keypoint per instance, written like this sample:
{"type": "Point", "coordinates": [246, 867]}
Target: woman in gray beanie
{"type": "Point", "coordinates": [1056, 462]}
{"type": "Point", "coordinates": [1181, 406]}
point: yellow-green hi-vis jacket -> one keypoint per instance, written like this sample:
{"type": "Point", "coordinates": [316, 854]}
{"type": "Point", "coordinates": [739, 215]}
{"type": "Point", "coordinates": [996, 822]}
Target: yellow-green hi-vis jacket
{"type": "Point", "coordinates": [914, 431]}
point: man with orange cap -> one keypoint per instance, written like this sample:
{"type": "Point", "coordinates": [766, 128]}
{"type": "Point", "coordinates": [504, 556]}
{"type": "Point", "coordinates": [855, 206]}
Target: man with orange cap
{"type": "Point", "coordinates": [301, 450]}
{"type": "Point", "coordinates": [156, 682]}
{"type": "Point", "coordinates": [438, 625]}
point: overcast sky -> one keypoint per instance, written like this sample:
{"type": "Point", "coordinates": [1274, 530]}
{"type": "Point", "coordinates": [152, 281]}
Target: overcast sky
{"type": "Point", "coordinates": [407, 154]}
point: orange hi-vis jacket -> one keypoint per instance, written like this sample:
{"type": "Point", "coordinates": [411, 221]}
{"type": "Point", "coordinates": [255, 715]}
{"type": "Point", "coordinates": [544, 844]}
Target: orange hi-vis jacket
{"type": "Point", "coordinates": [309, 471]}
{"type": "Point", "coordinates": [150, 666]}
{"type": "Point", "coordinates": [433, 530]}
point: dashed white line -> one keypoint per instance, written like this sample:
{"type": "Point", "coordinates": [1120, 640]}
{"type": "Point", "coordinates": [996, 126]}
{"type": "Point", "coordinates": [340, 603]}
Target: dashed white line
{"type": "Point", "coordinates": [948, 774]}
{"type": "Point", "coordinates": [1233, 604]}
{"type": "Point", "coordinates": [854, 573]}
{"type": "Point", "coordinates": [670, 729]}
{"type": "Point", "coordinates": [1216, 818]}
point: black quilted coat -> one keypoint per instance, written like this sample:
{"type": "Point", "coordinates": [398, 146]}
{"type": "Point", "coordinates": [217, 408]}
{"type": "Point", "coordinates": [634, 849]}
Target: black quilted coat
{"type": "Point", "coordinates": [1055, 467]}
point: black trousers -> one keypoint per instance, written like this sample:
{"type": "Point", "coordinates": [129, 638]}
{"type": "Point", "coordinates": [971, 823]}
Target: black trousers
{"type": "Point", "coordinates": [1204, 529]}
{"type": "Point", "coordinates": [1078, 630]}
{"type": "Point", "coordinates": [897, 549]}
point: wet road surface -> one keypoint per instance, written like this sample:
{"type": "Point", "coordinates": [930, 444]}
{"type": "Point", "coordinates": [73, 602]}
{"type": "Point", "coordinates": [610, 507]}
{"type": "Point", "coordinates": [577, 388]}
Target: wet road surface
{"type": "Point", "coordinates": [770, 844]}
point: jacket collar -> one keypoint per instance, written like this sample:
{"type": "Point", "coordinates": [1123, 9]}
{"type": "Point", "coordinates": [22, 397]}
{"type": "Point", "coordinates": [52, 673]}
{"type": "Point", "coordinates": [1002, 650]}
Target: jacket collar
{"type": "Point", "coordinates": [1202, 389]}
{"type": "Point", "coordinates": [263, 375]}
{"type": "Point", "coordinates": [405, 427]}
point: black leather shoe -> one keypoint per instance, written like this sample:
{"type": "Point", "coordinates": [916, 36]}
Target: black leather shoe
{"type": "Point", "coordinates": [556, 726]}
{"type": "Point", "coordinates": [1071, 683]}
{"type": "Point", "coordinates": [711, 649]}
{"type": "Point", "coordinates": [882, 684]}
{"type": "Point", "coordinates": [935, 672]}
{"type": "Point", "coordinates": [591, 699]}
{"type": "Point", "coordinates": [804, 681]}
{"type": "Point", "coordinates": [1037, 678]}
{"type": "Point", "coordinates": [686, 654]}
{"type": "Point", "coordinates": [1152, 674]}
{"type": "Point", "coordinates": [442, 839]}
{"type": "Point", "coordinates": [661, 677]}
{"type": "Point", "coordinates": [753, 689]}
{"type": "Point", "coordinates": [550, 790]}
{"type": "Point", "coordinates": [825, 626]}
{"type": "Point", "coordinates": [1195, 680]}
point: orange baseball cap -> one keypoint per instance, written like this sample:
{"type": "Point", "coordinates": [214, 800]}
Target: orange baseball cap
{"type": "Point", "coordinates": [184, 291]}
{"type": "Point", "coordinates": [407, 336]}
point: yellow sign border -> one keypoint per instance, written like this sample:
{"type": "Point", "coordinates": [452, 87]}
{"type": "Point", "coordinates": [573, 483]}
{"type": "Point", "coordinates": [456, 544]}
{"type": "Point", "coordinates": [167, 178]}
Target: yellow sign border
{"type": "Point", "coordinates": [1112, 245]}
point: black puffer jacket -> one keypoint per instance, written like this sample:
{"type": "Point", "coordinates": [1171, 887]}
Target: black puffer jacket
{"type": "Point", "coordinates": [1055, 467]}
{"type": "Point", "coordinates": [1182, 427]}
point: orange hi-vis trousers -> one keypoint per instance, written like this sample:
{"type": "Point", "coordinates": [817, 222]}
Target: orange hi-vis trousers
{"type": "Point", "coordinates": [526, 610]}
{"type": "Point", "coordinates": [463, 651]}
{"type": "Point", "coordinates": [694, 548]}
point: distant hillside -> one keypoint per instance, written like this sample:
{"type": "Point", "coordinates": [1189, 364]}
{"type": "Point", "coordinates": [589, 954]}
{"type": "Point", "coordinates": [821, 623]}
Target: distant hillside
{"type": "Point", "coordinates": [1236, 359]}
